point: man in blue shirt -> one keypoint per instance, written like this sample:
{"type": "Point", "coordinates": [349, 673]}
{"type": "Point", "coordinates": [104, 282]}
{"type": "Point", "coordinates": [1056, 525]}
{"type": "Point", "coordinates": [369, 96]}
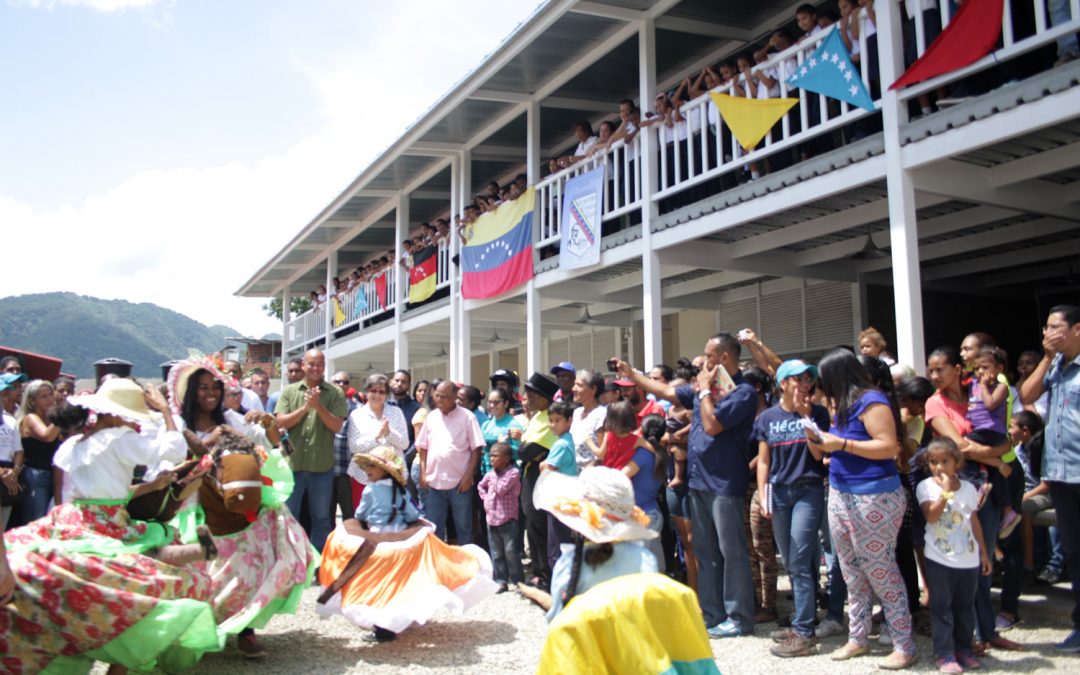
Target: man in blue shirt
{"type": "Point", "coordinates": [717, 461]}
{"type": "Point", "coordinates": [1059, 374]}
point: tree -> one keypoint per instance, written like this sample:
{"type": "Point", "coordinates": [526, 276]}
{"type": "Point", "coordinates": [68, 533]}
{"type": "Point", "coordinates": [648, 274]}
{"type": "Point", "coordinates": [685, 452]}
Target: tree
{"type": "Point", "coordinates": [297, 305]}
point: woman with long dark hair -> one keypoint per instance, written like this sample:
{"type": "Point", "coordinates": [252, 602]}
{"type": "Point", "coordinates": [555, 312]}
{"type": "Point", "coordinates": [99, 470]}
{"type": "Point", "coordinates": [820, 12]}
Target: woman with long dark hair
{"type": "Point", "coordinates": [866, 503]}
{"type": "Point", "coordinates": [262, 568]}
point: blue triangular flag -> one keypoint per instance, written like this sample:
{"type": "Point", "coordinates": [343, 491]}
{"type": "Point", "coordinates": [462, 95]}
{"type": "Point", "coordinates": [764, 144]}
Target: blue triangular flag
{"type": "Point", "coordinates": [829, 72]}
{"type": "Point", "coordinates": [361, 300]}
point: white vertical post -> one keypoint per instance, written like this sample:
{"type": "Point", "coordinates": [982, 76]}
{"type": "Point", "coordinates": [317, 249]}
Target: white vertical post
{"type": "Point", "coordinates": [650, 260]}
{"type": "Point", "coordinates": [331, 272]}
{"type": "Point", "coordinates": [286, 317]}
{"type": "Point", "coordinates": [532, 142]}
{"type": "Point", "coordinates": [463, 188]}
{"type": "Point", "coordinates": [903, 228]}
{"type": "Point", "coordinates": [401, 287]}
{"type": "Point", "coordinates": [533, 334]}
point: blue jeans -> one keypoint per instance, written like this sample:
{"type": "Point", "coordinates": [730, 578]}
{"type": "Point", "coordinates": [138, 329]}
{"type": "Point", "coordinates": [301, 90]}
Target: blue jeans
{"type": "Point", "coordinates": [797, 511]}
{"type": "Point", "coordinates": [38, 493]}
{"type": "Point", "coordinates": [436, 504]}
{"type": "Point", "coordinates": [725, 587]}
{"type": "Point", "coordinates": [1066, 498]}
{"type": "Point", "coordinates": [505, 557]}
{"type": "Point", "coordinates": [985, 616]}
{"type": "Point", "coordinates": [319, 488]}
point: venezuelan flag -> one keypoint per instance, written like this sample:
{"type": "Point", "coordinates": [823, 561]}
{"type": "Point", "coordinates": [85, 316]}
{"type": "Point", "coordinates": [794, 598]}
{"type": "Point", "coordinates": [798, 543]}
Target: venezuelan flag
{"type": "Point", "coordinates": [499, 256]}
{"type": "Point", "coordinates": [422, 274]}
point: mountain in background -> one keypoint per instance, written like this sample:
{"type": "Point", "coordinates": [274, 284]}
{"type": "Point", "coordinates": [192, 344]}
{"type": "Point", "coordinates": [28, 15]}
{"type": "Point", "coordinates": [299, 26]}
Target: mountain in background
{"type": "Point", "coordinates": [80, 330]}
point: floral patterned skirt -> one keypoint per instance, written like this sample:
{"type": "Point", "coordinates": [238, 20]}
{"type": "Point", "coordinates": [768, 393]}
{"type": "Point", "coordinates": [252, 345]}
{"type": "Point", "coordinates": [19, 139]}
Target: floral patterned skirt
{"type": "Point", "coordinates": [85, 591]}
{"type": "Point", "coordinates": [260, 571]}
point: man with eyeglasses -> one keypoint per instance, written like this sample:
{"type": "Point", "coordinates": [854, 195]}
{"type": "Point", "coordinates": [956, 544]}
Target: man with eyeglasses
{"type": "Point", "coordinates": [342, 455]}
{"type": "Point", "coordinates": [1059, 373]}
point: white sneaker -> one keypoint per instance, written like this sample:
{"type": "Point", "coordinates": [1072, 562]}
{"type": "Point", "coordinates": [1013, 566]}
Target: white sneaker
{"type": "Point", "coordinates": [828, 628]}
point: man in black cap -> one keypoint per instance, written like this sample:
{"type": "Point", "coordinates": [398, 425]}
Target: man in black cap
{"type": "Point", "coordinates": [507, 380]}
{"type": "Point", "coordinates": [535, 444]}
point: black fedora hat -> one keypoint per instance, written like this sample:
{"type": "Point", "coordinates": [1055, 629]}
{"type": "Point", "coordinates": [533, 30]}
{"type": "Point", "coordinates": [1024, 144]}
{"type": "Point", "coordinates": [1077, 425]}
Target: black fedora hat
{"type": "Point", "coordinates": [542, 384]}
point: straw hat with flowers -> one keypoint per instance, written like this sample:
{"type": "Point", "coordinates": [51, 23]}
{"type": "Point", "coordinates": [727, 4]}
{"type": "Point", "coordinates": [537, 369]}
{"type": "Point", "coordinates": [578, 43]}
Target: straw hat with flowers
{"type": "Point", "coordinates": [598, 503]}
{"type": "Point", "coordinates": [383, 457]}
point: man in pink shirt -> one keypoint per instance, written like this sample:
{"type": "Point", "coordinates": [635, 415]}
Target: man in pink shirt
{"type": "Point", "coordinates": [449, 446]}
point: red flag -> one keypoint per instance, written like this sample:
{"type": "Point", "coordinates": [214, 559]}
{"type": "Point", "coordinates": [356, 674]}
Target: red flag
{"type": "Point", "coordinates": [380, 289]}
{"type": "Point", "coordinates": [971, 34]}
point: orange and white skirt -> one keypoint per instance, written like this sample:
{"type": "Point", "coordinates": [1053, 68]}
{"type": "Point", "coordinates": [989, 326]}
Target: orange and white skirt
{"type": "Point", "coordinates": [405, 579]}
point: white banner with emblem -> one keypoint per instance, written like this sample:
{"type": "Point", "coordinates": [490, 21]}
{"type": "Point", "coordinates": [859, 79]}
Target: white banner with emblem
{"type": "Point", "coordinates": [583, 199]}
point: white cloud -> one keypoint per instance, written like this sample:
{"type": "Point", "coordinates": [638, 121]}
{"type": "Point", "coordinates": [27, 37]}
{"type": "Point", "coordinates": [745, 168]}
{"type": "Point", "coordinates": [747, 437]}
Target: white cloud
{"type": "Point", "coordinates": [187, 237]}
{"type": "Point", "coordinates": [107, 6]}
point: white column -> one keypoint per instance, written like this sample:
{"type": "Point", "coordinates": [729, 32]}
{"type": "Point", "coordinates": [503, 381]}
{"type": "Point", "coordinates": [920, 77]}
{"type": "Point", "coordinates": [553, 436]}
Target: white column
{"type": "Point", "coordinates": [286, 317]}
{"type": "Point", "coordinates": [401, 233]}
{"type": "Point", "coordinates": [533, 334]}
{"type": "Point", "coordinates": [650, 260]}
{"type": "Point", "coordinates": [903, 226]}
{"type": "Point", "coordinates": [464, 350]}
{"type": "Point", "coordinates": [331, 272]}
{"type": "Point", "coordinates": [457, 370]}
{"type": "Point", "coordinates": [532, 142]}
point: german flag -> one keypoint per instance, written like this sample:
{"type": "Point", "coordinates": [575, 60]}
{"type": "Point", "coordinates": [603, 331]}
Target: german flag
{"type": "Point", "coordinates": [422, 274]}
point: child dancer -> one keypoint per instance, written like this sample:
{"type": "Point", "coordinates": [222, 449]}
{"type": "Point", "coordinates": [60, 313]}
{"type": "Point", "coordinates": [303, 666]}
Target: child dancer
{"type": "Point", "coordinates": [385, 505]}
{"type": "Point", "coordinates": [396, 572]}
{"type": "Point", "coordinates": [954, 555]}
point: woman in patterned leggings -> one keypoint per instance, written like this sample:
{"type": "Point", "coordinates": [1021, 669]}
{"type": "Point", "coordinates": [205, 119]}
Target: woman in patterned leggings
{"type": "Point", "coordinates": [866, 504]}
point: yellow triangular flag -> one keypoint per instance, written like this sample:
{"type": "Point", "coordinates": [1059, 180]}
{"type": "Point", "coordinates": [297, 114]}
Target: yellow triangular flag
{"type": "Point", "coordinates": [339, 315]}
{"type": "Point", "coordinates": [751, 118]}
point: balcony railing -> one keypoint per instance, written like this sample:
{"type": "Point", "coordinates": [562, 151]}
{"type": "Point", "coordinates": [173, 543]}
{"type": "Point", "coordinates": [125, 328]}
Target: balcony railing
{"type": "Point", "coordinates": [369, 303]}
{"type": "Point", "coordinates": [702, 151]}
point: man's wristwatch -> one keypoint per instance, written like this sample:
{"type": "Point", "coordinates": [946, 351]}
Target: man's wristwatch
{"type": "Point", "coordinates": [702, 394]}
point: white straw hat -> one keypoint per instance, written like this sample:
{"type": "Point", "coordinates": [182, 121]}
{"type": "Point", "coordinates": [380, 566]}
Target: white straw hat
{"type": "Point", "coordinates": [599, 504]}
{"type": "Point", "coordinates": [117, 396]}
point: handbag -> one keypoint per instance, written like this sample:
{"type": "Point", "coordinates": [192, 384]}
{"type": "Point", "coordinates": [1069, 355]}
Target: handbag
{"type": "Point", "coordinates": [6, 497]}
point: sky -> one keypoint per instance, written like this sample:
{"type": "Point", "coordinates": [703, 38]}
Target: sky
{"type": "Point", "coordinates": [163, 150]}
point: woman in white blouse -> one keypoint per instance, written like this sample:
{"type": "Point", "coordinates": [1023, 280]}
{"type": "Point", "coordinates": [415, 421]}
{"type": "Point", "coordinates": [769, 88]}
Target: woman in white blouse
{"type": "Point", "coordinates": [589, 416]}
{"type": "Point", "coordinates": [375, 423]}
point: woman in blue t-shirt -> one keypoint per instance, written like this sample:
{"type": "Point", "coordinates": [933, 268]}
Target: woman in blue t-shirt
{"type": "Point", "coordinates": [866, 504]}
{"type": "Point", "coordinates": [791, 487]}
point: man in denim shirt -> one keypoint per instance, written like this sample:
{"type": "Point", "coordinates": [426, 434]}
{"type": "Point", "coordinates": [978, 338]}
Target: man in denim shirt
{"type": "Point", "coordinates": [1059, 374]}
{"type": "Point", "coordinates": [718, 457]}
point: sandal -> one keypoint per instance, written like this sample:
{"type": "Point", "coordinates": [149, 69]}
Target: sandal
{"type": "Point", "coordinates": [206, 541]}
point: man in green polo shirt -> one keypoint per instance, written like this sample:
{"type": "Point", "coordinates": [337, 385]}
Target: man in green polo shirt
{"type": "Point", "coordinates": [312, 410]}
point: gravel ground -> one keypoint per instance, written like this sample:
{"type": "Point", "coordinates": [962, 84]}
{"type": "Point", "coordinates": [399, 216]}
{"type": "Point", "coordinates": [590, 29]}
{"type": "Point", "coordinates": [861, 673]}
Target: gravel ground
{"type": "Point", "coordinates": [505, 633]}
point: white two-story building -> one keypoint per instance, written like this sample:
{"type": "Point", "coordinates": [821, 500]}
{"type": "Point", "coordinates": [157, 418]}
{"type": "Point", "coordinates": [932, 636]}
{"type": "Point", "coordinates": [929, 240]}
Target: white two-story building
{"type": "Point", "coordinates": [964, 219]}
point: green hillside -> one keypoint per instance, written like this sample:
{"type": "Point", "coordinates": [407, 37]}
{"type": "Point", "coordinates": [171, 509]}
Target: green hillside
{"type": "Point", "coordinates": [80, 330]}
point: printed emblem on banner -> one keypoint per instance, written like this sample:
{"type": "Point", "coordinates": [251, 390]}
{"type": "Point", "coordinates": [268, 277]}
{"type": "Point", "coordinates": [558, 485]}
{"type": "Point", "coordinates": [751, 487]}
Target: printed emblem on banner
{"type": "Point", "coordinates": [583, 230]}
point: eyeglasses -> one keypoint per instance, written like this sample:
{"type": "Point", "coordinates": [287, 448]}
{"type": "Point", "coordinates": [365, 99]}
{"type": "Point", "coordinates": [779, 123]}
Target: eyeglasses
{"type": "Point", "coordinates": [495, 402]}
{"type": "Point", "coordinates": [380, 392]}
{"type": "Point", "coordinates": [342, 383]}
